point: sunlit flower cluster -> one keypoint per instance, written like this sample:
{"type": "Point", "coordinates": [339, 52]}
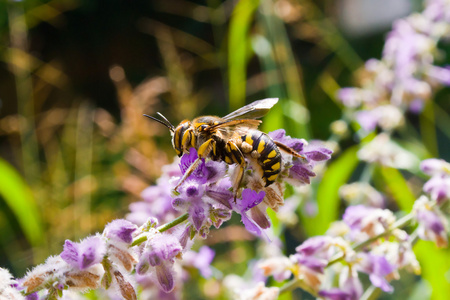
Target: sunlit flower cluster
{"type": "Point", "coordinates": [367, 240]}
{"type": "Point", "coordinates": [157, 254]}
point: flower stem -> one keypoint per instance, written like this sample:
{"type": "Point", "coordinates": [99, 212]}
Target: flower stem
{"type": "Point", "coordinates": [142, 238]}
{"type": "Point", "coordinates": [297, 283]}
{"type": "Point", "coordinates": [371, 293]}
{"type": "Point", "coordinates": [173, 223]}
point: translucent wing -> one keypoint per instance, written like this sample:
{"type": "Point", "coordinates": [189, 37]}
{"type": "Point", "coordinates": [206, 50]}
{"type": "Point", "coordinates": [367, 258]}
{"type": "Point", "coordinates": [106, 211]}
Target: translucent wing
{"type": "Point", "coordinates": [253, 110]}
{"type": "Point", "coordinates": [240, 126]}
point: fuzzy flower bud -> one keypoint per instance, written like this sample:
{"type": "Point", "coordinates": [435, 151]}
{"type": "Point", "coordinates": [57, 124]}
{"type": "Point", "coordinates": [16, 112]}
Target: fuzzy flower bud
{"type": "Point", "coordinates": [82, 255]}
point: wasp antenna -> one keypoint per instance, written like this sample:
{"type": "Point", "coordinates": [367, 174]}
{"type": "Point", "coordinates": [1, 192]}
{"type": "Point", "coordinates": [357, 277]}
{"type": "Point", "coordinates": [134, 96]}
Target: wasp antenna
{"type": "Point", "coordinates": [166, 123]}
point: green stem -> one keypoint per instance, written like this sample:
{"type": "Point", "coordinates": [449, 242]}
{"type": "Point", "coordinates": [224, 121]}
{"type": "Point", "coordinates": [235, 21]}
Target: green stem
{"type": "Point", "coordinates": [371, 293]}
{"type": "Point", "coordinates": [142, 238]}
{"type": "Point", "coordinates": [297, 283]}
{"type": "Point", "coordinates": [174, 223]}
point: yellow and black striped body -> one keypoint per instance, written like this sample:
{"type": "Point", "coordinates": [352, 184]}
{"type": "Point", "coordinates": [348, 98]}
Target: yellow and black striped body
{"type": "Point", "coordinates": [266, 153]}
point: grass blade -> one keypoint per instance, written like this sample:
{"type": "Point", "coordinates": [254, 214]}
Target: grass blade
{"type": "Point", "coordinates": [19, 198]}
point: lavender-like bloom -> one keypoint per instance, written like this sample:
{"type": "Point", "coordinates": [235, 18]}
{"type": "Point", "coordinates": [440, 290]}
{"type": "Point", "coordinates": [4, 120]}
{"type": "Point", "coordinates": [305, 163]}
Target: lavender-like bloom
{"type": "Point", "coordinates": [433, 225]}
{"type": "Point", "coordinates": [439, 184]}
{"type": "Point", "coordinates": [299, 171]}
{"type": "Point", "coordinates": [120, 230]}
{"type": "Point", "coordinates": [366, 222]}
{"type": "Point", "coordinates": [280, 267]}
{"type": "Point", "coordinates": [58, 274]}
{"type": "Point", "coordinates": [377, 267]}
{"type": "Point", "coordinates": [7, 286]}
{"type": "Point", "coordinates": [313, 256]}
{"type": "Point", "coordinates": [88, 252]}
{"type": "Point", "coordinates": [251, 199]}
{"type": "Point", "coordinates": [159, 256]}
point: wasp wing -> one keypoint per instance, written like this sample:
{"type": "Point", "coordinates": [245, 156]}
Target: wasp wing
{"type": "Point", "coordinates": [254, 110]}
{"type": "Point", "coordinates": [241, 127]}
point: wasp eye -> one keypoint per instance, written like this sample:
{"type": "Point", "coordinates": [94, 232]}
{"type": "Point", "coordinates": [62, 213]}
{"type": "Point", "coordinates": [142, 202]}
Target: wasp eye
{"type": "Point", "coordinates": [203, 127]}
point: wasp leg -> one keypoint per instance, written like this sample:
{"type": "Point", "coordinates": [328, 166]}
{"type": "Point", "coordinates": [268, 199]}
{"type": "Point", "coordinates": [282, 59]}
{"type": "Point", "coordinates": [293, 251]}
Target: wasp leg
{"type": "Point", "coordinates": [289, 150]}
{"type": "Point", "coordinates": [203, 152]}
{"type": "Point", "coordinates": [233, 151]}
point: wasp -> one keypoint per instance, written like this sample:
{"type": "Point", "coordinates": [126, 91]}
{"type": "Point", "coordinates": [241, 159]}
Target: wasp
{"type": "Point", "coordinates": [234, 139]}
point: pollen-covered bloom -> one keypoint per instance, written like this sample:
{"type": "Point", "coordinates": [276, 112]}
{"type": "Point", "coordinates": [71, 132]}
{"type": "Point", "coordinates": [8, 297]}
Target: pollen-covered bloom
{"type": "Point", "coordinates": [439, 184]}
{"type": "Point", "coordinates": [85, 254]}
{"type": "Point", "coordinates": [366, 222]}
{"type": "Point", "coordinates": [280, 267]}
{"type": "Point", "coordinates": [158, 256]}
{"type": "Point", "coordinates": [313, 256]}
{"type": "Point", "coordinates": [7, 289]}
{"type": "Point", "coordinates": [377, 267]}
{"type": "Point", "coordinates": [433, 225]}
{"type": "Point", "coordinates": [58, 274]}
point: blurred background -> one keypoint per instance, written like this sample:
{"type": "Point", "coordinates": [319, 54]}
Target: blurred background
{"type": "Point", "coordinates": [77, 75]}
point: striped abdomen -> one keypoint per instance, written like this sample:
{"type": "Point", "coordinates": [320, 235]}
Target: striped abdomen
{"type": "Point", "coordinates": [266, 154]}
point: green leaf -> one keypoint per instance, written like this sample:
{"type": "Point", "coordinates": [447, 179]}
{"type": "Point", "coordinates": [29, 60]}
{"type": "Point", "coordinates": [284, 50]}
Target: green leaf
{"type": "Point", "coordinates": [435, 264]}
{"type": "Point", "coordinates": [238, 48]}
{"type": "Point", "coordinates": [398, 187]}
{"type": "Point", "coordinates": [335, 176]}
{"type": "Point", "coordinates": [19, 198]}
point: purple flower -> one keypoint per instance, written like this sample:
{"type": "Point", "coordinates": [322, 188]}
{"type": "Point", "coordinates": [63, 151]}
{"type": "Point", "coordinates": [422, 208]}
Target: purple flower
{"type": "Point", "coordinates": [192, 199]}
{"type": "Point", "coordinates": [367, 220]}
{"type": "Point", "coordinates": [221, 192]}
{"type": "Point", "coordinates": [120, 230]}
{"type": "Point", "coordinates": [200, 260]}
{"type": "Point", "coordinates": [300, 170]}
{"type": "Point", "coordinates": [88, 252]}
{"type": "Point", "coordinates": [209, 171]}
{"type": "Point", "coordinates": [350, 97]}
{"type": "Point", "coordinates": [278, 266]}
{"type": "Point", "coordinates": [377, 267]}
{"type": "Point", "coordinates": [434, 166]}
{"type": "Point", "coordinates": [441, 75]}
{"type": "Point", "coordinates": [433, 225]}
{"type": "Point", "coordinates": [159, 255]}
{"type": "Point", "coordinates": [200, 174]}
{"type": "Point", "coordinates": [350, 287]}
{"type": "Point", "coordinates": [439, 184]}
{"type": "Point", "coordinates": [280, 136]}
{"type": "Point", "coordinates": [250, 199]}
